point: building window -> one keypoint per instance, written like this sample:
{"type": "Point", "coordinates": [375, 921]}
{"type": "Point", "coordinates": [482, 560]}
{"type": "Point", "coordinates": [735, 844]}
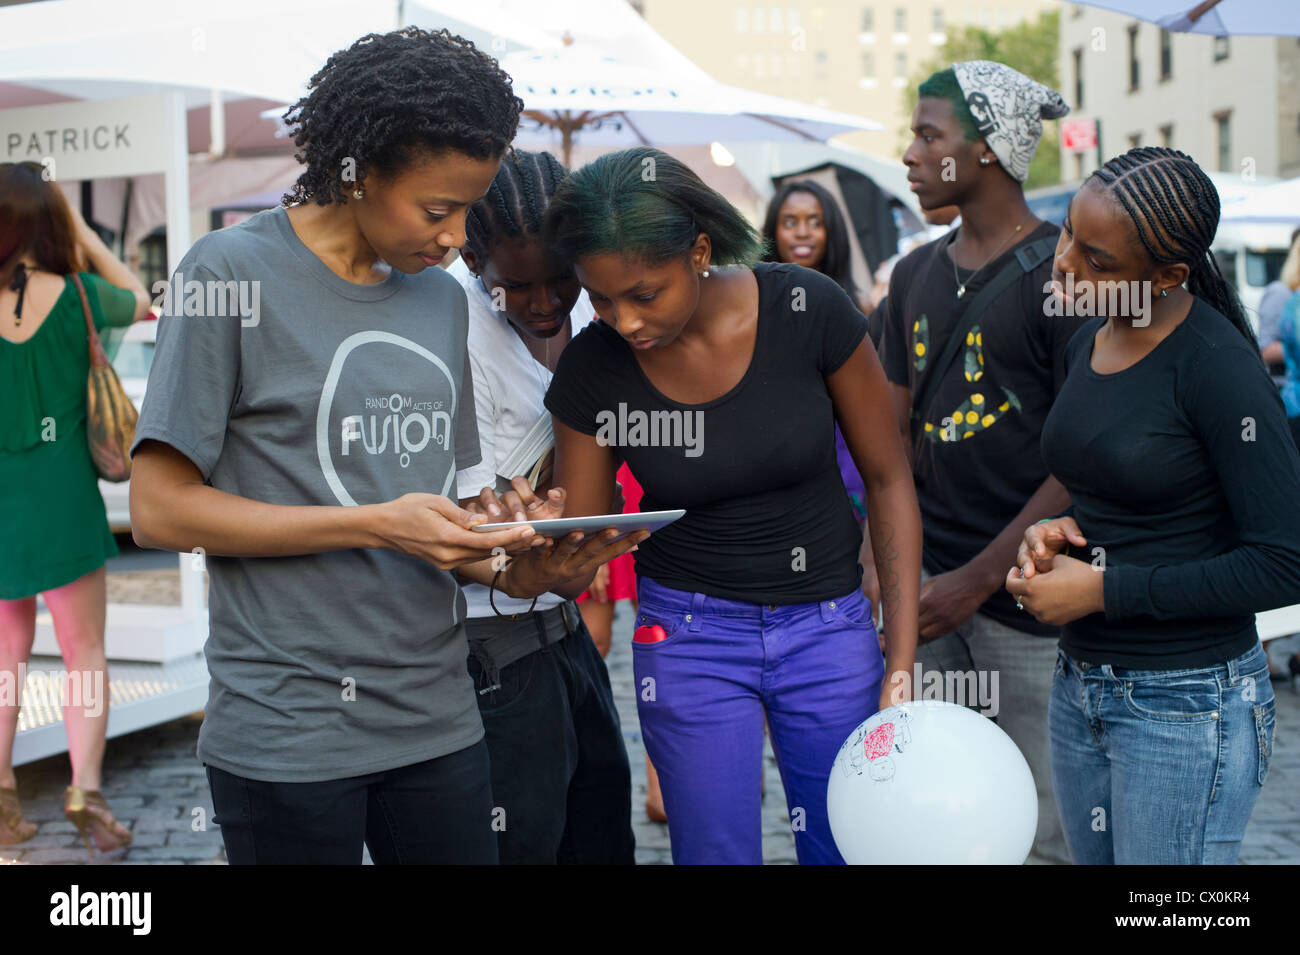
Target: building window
{"type": "Point", "coordinates": [1078, 78]}
{"type": "Point", "coordinates": [1134, 140]}
{"type": "Point", "coordinates": [1223, 135]}
{"type": "Point", "coordinates": [900, 19]}
{"type": "Point", "coordinates": [1134, 72]}
{"type": "Point", "coordinates": [742, 19]}
{"type": "Point", "coordinates": [1220, 48]}
{"type": "Point", "coordinates": [1078, 165]}
{"type": "Point", "coordinates": [1167, 135]}
{"type": "Point", "coordinates": [1166, 55]}
{"type": "Point", "coordinates": [1077, 10]}
{"type": "Point", "coordinates": [900, 64]}
{"type": "Point", "coordinates": [868, 64]}
{"type": "Point", "coordinates": [774, 20]}
{"type": "Point", "coordinates": [868, 20]}
{"type": "Point", "coordinates": [936, 25]}
{"type": "Point", "coordinates": [760, 23]}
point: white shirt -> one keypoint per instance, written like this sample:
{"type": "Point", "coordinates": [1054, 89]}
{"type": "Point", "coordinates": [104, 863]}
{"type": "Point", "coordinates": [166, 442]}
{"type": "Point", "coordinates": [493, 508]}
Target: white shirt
{"type": "Point", "coordinates": [509, 388]}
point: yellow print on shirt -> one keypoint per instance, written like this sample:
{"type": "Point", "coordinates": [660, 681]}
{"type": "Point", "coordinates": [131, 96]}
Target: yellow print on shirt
{"type": "Point", "coordinates": [977, 412]}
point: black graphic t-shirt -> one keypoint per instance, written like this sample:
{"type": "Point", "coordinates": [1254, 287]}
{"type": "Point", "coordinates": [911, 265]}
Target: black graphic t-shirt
{"type": "Point", "coordinates": [977, 456]}
{"type": "Point", "coordinates": [767, 517]}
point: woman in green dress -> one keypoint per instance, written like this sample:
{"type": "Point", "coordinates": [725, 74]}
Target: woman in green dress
{"type": "Point", "coordinates": [55, 532]}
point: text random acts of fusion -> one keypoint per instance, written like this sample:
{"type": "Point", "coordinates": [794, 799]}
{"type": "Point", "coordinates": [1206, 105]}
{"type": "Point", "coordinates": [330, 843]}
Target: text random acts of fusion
{"type": "Point", "coordinates": [365, 424]}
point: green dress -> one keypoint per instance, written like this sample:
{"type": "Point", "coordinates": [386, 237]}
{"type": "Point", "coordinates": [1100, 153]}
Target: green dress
{"type": "Point", "coordinates": [53, 528]}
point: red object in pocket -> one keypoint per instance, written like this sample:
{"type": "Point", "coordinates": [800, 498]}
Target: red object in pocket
{"type": "Point", "coordinates": [651, 634]}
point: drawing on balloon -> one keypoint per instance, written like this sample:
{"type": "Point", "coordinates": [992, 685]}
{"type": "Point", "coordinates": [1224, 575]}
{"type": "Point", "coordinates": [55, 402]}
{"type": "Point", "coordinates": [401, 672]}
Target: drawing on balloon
{"type": "Point", "coordinates": [871, 751]}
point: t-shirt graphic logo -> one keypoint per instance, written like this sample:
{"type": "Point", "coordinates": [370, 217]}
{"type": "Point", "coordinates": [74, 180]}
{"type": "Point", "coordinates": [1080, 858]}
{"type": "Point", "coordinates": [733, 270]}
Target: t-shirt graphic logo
{"type": "Point", "coordinates": [385, 426]}
{"type": "Point", "coordinates": [974, 414]}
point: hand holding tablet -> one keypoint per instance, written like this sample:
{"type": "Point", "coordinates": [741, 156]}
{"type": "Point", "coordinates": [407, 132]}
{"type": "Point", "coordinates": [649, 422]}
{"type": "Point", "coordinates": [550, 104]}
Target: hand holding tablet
{"type": "Point", "coordinates": [625, 524]}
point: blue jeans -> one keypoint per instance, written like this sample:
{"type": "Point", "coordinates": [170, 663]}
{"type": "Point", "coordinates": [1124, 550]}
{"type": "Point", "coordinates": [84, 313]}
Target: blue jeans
{"type": "Point", "coordinates": [1159, 767]}
{"type": "Point", "coordinates": [815, 669]}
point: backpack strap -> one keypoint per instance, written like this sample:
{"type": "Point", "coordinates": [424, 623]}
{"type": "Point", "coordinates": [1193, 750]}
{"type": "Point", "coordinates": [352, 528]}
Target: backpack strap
{"type": "Point", "coordinates": [1027, 257]}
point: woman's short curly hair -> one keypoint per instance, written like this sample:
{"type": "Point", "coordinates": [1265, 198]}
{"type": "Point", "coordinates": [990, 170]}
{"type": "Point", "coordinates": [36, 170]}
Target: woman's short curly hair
{"type": "Point", "coordinates": [391, 96]}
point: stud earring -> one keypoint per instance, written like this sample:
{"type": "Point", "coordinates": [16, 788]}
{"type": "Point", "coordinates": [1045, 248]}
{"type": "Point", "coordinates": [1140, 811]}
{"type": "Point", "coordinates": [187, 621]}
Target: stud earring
{"type": "Point", "coordinates": [704, 274]}
{"type": "Point", "coordinates": [358, 194]}
{"type": "Point", "coordinates": [1164, 292]}
{"type": "Point", "coordinates": [984, 160]}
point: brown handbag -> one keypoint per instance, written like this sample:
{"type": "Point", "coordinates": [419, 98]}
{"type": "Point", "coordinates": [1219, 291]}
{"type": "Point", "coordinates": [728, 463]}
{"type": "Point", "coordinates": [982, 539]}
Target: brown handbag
{"type": "Point", "coordinates": [110, 414]}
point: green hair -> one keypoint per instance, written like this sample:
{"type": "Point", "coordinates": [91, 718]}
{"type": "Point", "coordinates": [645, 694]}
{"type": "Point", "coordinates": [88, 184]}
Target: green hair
{"type": "Point", "coordinates": [647, 206]}
{"type": "Point", "coordinates": [944, 85]}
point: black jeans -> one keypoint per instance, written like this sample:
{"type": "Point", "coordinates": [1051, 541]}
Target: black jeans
{"type": "Point", "coordinates": [438, 812]}
{"type": "Point", "coordinates": [560, 776]}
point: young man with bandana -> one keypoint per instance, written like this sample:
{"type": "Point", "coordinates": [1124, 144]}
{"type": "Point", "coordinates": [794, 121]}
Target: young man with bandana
{"type": "Point", "coordinates": [980, 478]}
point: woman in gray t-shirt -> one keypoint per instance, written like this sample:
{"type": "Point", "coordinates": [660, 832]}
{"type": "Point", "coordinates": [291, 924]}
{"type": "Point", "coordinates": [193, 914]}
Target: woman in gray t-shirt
{"type": "Point", "coordinates": [307, 410]}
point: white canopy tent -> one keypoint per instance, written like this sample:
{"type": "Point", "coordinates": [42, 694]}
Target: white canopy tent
{"type": "Point", "coordinates": [226, 63]}
{"type": "Point", "coordinates": [265, 49]}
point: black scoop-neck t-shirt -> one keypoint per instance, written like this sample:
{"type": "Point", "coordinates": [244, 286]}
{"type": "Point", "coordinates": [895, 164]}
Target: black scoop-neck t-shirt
{"type": "Point", "coordinates": [1186, 483]}
{"type": "Point", "coordinates": [767, 518]}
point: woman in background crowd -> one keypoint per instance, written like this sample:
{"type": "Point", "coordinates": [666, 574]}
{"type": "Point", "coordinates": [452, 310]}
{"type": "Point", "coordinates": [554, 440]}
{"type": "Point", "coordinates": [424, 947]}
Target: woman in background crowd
{"type": "Point", "coordinates": [56, 535]}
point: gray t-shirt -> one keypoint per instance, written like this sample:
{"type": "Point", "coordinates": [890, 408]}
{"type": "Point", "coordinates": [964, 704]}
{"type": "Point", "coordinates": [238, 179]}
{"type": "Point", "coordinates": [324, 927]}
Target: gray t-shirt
{"type": "Point", "coordinates": [328, 665]}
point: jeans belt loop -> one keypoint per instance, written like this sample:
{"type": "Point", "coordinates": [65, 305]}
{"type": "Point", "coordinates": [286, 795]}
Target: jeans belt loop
{"type": "Point", "coordinates": [696, 616]}
{"type": "Point", "coordinates": [539, 621]}
{"type": "Point", "coordinates": [571, 616]}
{"type": "Point", "coordinates": [1233, 667]}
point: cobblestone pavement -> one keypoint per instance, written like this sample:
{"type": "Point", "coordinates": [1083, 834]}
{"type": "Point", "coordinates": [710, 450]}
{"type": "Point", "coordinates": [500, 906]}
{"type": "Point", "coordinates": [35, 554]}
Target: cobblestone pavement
{"type": "Point", "coordinates": [156, 786]}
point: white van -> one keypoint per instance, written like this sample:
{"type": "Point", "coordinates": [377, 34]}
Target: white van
{"type": "Point", "coordinates": [1251, 256]}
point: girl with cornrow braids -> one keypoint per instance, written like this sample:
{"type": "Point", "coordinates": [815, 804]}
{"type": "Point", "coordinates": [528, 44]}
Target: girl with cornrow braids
{"type": "Point", "coordinates": [1174, 446]}
{"type": "Point", "coordinates": [305, 436]}
{"type": "Point", "coordinates": [559, 765]}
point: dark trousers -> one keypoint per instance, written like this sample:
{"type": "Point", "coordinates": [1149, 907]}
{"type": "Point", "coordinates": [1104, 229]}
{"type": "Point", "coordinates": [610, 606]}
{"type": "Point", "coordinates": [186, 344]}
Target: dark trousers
{"type": "Point", "coordinates": [437, 812]}
{"type": "Point", "coordinates": [561, 784]}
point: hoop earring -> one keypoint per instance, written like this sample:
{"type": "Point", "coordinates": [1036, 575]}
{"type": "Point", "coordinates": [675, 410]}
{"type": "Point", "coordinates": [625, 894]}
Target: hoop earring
{"type": "Point", "coordinates": [358, 194]}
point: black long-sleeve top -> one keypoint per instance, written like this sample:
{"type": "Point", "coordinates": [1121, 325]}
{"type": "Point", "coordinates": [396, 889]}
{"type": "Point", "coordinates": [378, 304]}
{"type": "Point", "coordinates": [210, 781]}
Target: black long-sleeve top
{"type": "Point", "coordinates": [1186, 483]}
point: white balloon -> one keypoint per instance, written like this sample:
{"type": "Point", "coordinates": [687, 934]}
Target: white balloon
{"type": "Point", "coordinates": [931, 783]}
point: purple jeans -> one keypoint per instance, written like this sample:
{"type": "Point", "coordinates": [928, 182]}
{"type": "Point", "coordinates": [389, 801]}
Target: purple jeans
{"type": "Point", "coordinates": [815, 669]}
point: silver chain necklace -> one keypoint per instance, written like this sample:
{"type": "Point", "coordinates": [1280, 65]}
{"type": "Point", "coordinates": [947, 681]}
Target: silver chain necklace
{"type": "Point", "coordinates": [961, 286]}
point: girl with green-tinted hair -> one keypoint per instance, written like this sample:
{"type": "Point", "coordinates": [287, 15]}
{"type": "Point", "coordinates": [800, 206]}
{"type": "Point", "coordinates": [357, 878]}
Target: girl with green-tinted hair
{"type": "Point", "coordinates": [719, 380]}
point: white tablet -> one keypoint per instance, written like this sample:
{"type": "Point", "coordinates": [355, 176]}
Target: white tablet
{"type": "Point", "coordinates": [627, 523]}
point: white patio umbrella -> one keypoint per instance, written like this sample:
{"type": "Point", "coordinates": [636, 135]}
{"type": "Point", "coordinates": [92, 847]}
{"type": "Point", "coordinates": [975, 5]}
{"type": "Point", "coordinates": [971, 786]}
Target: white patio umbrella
{"type": "Point", "coordinates": [611, 102]}
{"type": "Point", "coordinates": [1213, 17]}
